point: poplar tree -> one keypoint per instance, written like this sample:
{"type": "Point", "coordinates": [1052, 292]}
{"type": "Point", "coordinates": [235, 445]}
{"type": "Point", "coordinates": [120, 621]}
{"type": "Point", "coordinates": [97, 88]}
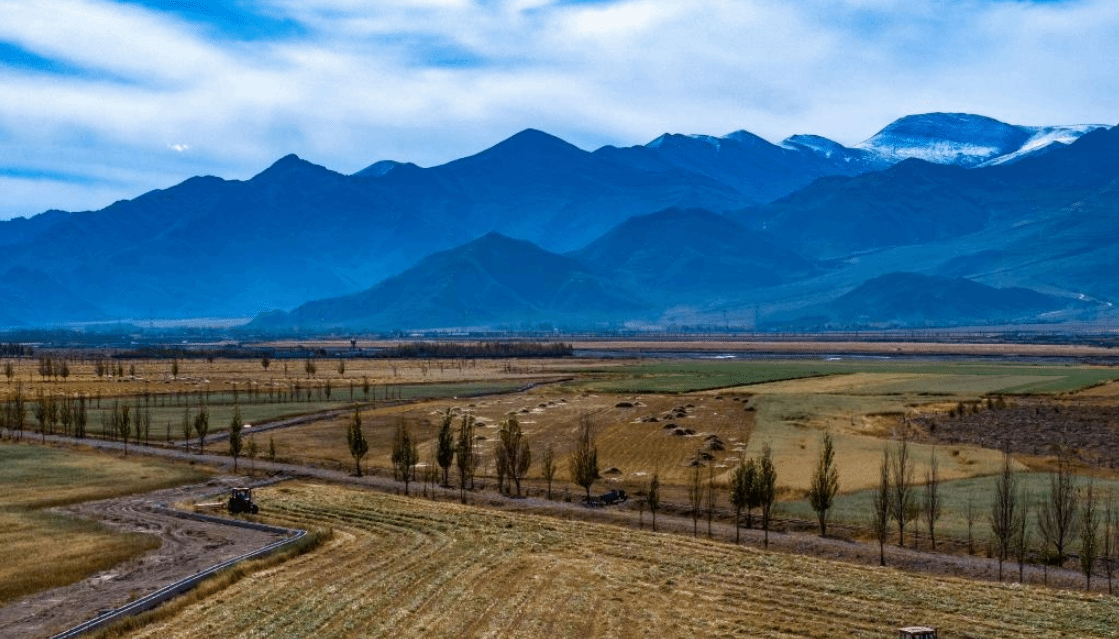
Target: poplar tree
{"type": "Point", "coordinates": [825, 483]}
{"type": "Point", "coordinates": [355, 441]}
{"type": "Point", "coordinates": [405, 455]}
{"type": "Point", "coordinates": [236, 426]}
{"type": "Point", "coordinates": [548, 467]}
{"type": "Point", "coordinates": [767, 489]}
{"type": "Point", "coordinates": [445, 446]}
{"type": "Point", "coordinates": [583, 463]}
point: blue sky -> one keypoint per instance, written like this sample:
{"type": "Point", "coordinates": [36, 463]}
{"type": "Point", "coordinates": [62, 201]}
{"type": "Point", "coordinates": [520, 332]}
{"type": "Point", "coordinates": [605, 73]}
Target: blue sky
{"type": "Point", "coordinates": [102, 100]}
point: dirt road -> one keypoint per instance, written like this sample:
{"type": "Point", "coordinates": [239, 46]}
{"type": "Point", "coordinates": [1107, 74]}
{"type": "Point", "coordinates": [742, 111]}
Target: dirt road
{"type": "Point", "coordinates": [188, 547]}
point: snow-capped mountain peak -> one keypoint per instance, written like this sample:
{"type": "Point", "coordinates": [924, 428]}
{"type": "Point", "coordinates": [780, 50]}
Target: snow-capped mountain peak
{"type": "Point", "coordinates": [965, 140]}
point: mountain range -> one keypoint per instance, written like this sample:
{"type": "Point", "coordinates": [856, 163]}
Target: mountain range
{"type": "Point", "coordinates": [683, 230]}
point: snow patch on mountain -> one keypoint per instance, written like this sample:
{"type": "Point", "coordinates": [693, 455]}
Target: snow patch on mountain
{"type": "Point", "coordinates": [946, 138]}
{"type": "Point", "coordinates": [1044, 136]}
{"type": "Point", "coordinates": [965, 140]}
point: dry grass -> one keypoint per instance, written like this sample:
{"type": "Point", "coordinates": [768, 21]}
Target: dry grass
{"type": "Point", "coordinates": [40, 549]}
{"type": "Point", "coordinates": [414, 568]}
{"type": "Point", "coordinates": [154, 376]}
{"type": "Point", "coordinates": [43, 550]}
{"type": "Point", "coordinates": [789, 422]}
{"type": "Point", "coordinates": [634, 447]}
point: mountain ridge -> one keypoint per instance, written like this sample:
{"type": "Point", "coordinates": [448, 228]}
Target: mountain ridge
{"type": "Point", "coordinates": [297, 231]}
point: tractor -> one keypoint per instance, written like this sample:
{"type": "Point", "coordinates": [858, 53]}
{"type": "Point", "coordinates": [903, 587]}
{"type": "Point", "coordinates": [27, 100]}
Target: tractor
{"type": "Point", "coordinates": [241, 501]}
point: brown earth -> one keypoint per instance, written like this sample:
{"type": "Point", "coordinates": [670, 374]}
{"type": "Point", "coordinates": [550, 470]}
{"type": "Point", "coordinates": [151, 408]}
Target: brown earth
{"type": "Point", "coordinates": [1035, 428]}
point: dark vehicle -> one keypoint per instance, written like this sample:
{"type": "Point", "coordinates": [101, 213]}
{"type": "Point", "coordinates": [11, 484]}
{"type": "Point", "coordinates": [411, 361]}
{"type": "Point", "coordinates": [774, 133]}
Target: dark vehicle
{"type": "Point", "coordinates": [241, 501]}
{"type": "Point", "coordinates": [917, 632]}
{"type": "Point", "coordinates": [613, 497]}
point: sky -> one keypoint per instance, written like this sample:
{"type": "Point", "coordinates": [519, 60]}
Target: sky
{"type": "Point", "coordinates": [102, 100]}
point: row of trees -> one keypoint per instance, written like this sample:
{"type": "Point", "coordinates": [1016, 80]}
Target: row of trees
{"type": "Point", "coordinates": [1066, 515]}
{"type": "Point", "coordinates": [455, 447]}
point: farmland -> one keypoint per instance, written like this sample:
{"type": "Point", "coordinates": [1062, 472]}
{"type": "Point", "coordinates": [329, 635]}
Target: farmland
{"type": "Point", "coordinates": [382, 574]}
{"type": "Point", "coordinates": [41, 549]}
{"type": "Point", "coordinates": [416, 568]}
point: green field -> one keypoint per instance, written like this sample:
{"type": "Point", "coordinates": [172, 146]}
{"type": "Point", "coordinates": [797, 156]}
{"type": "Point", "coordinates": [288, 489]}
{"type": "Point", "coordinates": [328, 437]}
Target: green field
{"type": "Point", "coordinates": [858, 507]}
{"type": "Point", "coordinates": [951, 377]}
{"type": "Point", "coordinates": [167, 410]}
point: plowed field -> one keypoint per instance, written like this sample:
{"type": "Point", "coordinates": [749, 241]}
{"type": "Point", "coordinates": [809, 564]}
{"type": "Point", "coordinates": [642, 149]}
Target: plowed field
{"type": "Point", "coordinates": [414, 568]}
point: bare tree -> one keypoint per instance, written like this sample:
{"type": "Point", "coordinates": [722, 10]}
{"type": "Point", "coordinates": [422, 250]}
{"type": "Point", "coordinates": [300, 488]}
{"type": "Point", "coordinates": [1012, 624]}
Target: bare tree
{"type": "Point", "coordinates": [187, 426]}
{"type": "Point", "coordinates": [405, 455]}
{"type": "Point", "coordinates": [355, 441]}
{"type": "Point", "coordinates": [122, 421]}
{"type": "Point", "coordinates": [201, 427]}
{"type": "Point", "coordinates": [767, 489]}
{"type": "Point", "coordinates": [695, 497]}
{"type": "Point", "coordinates": [1056, 517]}
{"type": "Point", "coordinates": [741, 484]}
{"type": "Point", "coordinates": [710, 497]}
{"type": "Point", "coordinates": [1004, 511]}
{"type": "Point", "coordinates": [465, 457]}
{"type": "Point", "coordinates": [902, 503]}
{"type": "Point", "coordinates": [512, 453]}
{"type": "Point", "coordinates": [1089, 535]}
{"type": "Point", "coordinates": [548, 467]}
{"type": "Point", "coordinates": [251, 451]}
{"type": "Point", "coordinates": [1109, 540]}
{"type": "Point", "coordinates": [445, 446]}
{"type": "Point", "coordinates": [970, 515]}
{"type": "Point", "coordinates": [881, 520]}
{"type": "Point", "coordinates": [653, 497]}
{"type": "Point", "coordinates": [143, 421]}
{"type": "Point", "coordinates": [1021, 541]}
{"type": "Point", "coordinates": [930, 505]}
{"type": "Point", "coordinates": [236, 425]}
{"type": "Point", "coordinates": [825, 483]}
{"type": "Point", "coordinates": [583, 463]}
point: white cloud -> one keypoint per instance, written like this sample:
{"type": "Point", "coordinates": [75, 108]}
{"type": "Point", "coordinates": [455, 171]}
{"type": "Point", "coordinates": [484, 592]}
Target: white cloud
{"type": "Point", "coordinates": [432, 80]}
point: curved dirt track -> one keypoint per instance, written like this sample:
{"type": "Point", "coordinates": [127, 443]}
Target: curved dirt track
{"type": "Point", "coordinates": [188, 547]}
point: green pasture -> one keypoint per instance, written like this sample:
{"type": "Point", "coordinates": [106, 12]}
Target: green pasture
{"type": "Point", "coordinates": [956, 495]}
{"type": "Point", "coordinates": [916, 376]}
{"type": "Point", "coordinates": [167, 411]}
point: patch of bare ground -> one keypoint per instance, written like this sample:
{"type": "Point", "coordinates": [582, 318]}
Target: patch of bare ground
{"type": "Point", "coordinates": [1034, 428]}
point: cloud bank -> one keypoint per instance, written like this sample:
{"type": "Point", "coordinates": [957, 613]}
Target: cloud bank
{"type": "Point", "coordinates": [102, 100]}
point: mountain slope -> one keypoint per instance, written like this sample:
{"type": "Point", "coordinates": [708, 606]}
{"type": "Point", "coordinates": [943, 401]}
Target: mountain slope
{"type": "Point", "coordinates": [910, 299]}
{"type": "Point", "coordinates": [490, 281]}
{"type": "Point", "coordinates": [691, 254]}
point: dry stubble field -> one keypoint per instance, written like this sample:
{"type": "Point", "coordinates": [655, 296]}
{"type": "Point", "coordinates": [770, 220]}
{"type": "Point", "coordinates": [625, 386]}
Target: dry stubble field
{"type": "Point", "coordinates": [41, 549]}
{"type": "Point", "coordinates": [405, 567]}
